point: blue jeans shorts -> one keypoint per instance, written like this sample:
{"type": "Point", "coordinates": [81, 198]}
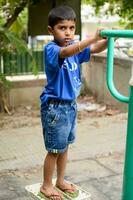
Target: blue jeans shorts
{"type": "Point", "coordinates": [59, 124]}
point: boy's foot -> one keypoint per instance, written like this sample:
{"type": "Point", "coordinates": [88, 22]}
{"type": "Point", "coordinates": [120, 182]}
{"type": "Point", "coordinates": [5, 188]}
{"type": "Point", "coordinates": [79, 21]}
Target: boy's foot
{"type": "Point", "coordinates": [51, 193]}
{"type": "Point", "coordinates": [68, 188]}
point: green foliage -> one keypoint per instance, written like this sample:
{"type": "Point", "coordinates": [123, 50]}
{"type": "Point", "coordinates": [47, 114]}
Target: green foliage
{"type": "Point", "coordinates": [124, 8]}
{"type": "Point", "coordinates": [11, 42]}
{"type": "Point", "coordinates": [12, 33]}
{"type": "Point", "coordinates": [33, 67]}
{"type": "Point", "coordinates": [4, 81]}
{"type": "Point", "coordinates": [19, 27]}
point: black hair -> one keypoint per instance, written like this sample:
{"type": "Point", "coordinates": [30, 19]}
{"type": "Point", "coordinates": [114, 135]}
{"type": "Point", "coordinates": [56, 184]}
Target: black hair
{"type": "Point", "coordinates": [60, 13]}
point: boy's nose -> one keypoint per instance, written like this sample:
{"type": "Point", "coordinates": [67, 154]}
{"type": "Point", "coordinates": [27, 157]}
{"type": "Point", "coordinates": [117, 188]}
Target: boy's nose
{"type": "Point", "coordinates": [67, 32]}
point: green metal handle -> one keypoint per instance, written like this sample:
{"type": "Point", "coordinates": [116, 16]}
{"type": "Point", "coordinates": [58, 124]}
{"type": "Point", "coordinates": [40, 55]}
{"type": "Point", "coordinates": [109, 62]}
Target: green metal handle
{"type": "Point", "coordinates": [110, 59]}
{"type": "Point", "coordinates": [109, 75]}
{"type": "Point", "coordinates": [117, 33]}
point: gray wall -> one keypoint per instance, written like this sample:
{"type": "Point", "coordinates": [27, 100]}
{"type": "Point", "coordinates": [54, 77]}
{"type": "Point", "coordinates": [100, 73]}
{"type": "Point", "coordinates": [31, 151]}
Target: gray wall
{"type": "Point", "coordinates": [94, 75]}
{"type": "Point", "coordinates": [26, 91]}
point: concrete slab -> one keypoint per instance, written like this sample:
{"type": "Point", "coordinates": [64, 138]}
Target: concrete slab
{"type": "Point", "coordinates": [95, 160]}
{"type": "Point", "coordinates": [86, 170]}
{"type": "Point", "coordinates": [110, 187]}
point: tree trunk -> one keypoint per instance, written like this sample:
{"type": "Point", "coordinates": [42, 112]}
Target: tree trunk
{"type": "Point", "coordinates": [4, 103]}
{"type": "Point", "coordinates": [15, 14]}
{"type": "Point", "coordinates": [1, 98]}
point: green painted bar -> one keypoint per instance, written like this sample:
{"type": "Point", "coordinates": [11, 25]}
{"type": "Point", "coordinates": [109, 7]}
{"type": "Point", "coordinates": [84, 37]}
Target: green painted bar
{"type": "Point", "coordinates": [117, 33]}
{"type": "Point", "coordinates": [109, 76]}
{"type": "Point", "coordinates": [128, 168]}
{"type": "Point", "coordinates": [127, 192]}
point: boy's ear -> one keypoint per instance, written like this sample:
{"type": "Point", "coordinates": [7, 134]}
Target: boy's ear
{"type": "Point", "coordinates": [50, 30]}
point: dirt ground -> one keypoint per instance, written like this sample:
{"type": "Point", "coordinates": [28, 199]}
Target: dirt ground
{"type": "Point", "coordinates": [100, 154]}
{"type": "Point", "coordinates": [26, 116]}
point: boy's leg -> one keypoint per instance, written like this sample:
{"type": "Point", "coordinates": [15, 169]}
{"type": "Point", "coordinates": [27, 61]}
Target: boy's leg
{"type": "Point", "coordinates": [62, 158]}
{"type": "Point", "coordinates": [47, 188]}
{"type": "Point", "coordinates": [61, 166]}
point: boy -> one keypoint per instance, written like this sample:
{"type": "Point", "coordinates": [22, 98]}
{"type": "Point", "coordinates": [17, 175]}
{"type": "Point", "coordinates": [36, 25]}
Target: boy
{"type": "Point", "coordinates": [58, 100]}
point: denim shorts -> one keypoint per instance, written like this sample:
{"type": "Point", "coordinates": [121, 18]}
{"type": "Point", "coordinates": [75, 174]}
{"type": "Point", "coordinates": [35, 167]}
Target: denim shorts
{"type": "Point", "coordinates": [59, 124]}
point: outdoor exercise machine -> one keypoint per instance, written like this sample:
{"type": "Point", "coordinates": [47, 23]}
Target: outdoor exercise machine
{"type": "Point", "coordinates": [33, 191]}
{"type": "Point", "coordinates": [127, 192]}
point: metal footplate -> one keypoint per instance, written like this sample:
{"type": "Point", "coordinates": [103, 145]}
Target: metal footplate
{"type": "Point", "coordinates": [33, 191]}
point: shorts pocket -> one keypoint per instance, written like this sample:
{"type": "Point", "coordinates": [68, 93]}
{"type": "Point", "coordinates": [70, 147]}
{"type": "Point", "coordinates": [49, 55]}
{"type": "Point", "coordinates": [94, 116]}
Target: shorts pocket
{"type": "Point", "coordinates": [50, 115]}
{"type": "Point", "coordinates": [52, 118]}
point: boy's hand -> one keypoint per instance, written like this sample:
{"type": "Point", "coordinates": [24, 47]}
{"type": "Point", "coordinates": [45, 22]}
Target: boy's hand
{"type": "Point", "coordinates": [97, 34]}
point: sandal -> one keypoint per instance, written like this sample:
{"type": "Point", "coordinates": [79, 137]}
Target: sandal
{"type": "Point", "coordinates": [49, 197]}
{"type": "Point", "coordinates": [72, 194]}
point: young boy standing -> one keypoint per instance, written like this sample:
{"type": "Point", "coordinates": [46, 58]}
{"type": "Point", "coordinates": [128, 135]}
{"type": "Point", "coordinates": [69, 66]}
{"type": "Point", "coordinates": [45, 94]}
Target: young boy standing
{"type": "Point", "coordinates": [58, 100]}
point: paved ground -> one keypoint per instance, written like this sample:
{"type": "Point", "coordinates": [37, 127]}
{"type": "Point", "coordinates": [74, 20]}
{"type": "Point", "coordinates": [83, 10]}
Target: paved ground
{"type": "Point", "coordinates": [95, 160]}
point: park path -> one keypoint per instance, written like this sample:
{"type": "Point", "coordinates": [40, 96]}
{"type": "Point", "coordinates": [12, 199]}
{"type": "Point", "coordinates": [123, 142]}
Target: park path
{"type": "Point", "coordinates": [95, 160]}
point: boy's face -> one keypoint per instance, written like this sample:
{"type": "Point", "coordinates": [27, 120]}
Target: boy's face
{"type": "Point", "coordinates": [63, 31]}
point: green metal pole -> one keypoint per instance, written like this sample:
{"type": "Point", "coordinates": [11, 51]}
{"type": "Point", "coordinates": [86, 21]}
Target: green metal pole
{"type": "Point", "coordinates": [109, 76]}
{"type": "Point", "coordinates": [128, 168]}
{"type": "Point", "coordinates": [117, 33]}
{"type": "Point", "coordinates": [127, 192]}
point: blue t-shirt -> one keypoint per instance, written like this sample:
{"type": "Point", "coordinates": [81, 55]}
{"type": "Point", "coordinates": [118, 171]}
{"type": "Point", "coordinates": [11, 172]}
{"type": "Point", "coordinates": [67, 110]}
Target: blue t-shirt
{"type": "Point", "coordinates": [63, 74]}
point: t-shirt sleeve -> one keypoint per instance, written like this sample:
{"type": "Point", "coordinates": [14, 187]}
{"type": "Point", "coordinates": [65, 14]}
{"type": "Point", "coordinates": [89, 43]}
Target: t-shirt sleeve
{"type": "Point", "coordinates": [84, 56]}
{"type": "Point", "coordinates": [52, 55]}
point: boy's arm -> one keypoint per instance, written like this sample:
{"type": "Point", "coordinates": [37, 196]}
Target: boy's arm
{"type": "Point", "coordinates": [99, 46]}
{"type": "Point", "coordinates": [76, 48]}
{"type": "Point", "coordinates": [79, 46]}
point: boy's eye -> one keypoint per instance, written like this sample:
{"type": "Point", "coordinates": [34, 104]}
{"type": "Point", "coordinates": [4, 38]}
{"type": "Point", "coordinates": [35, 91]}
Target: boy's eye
{"type": "Point", "coordinates": [72, 28]}
{"type": "Point", "coordinates": [63, 28]}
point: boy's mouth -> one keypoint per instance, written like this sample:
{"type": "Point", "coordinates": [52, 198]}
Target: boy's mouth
{"type": "Point", "coordinates": [67, 39]}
